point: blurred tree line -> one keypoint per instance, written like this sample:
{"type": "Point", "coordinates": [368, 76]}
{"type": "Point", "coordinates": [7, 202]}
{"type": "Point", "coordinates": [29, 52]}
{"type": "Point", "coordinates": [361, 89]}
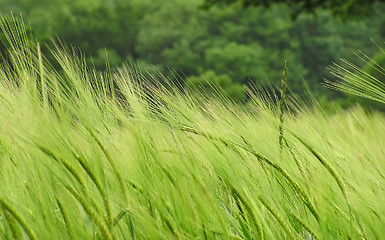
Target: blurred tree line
{"type": "Point", "coordinates": [230, 45]}
{"type": "Point", "coordinates": [345, 9]}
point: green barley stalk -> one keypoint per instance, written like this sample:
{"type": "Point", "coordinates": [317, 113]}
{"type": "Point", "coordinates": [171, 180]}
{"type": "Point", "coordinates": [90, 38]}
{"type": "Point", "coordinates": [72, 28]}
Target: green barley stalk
{"type": "Point", "coordinates": [307, 228]}
{"type": "Point", "coordinates": [92, 213]}
{"type": "Point", "coordinates": [295, 186]}
{"type": "Point", "coordinates": [112, 163]}
{"type": "Point", "coordinates": [212, 203]}
{"type": "Point", "coordinates": [66, 219]}
{"type": "Point", "coordinates": [282, 104]}
{"type": "Point", "coordinates": [279, 219]}
{"type": "Point", "coordinates": [98, 185]}
{"type": "Point", "coordinates": [262, 159]}
{"type": "Point", "coordinates": [12, 225]}
{"type": "Point", "coordinates": [246, 202]}
{"type": "Point", "coordinates": [327, 165]}
{"type": "Point", "coordinates": [74, 172]}
{"type": "Point", "coordinates": [42, 81]}
{"type": "Point", "coordinates": [354, 80]}
{"type": "Point", "coordinates": [27, 229]}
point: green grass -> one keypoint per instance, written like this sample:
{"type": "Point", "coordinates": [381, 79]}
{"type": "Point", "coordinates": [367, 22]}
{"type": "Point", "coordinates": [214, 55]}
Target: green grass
{"type": "Point", "coordinates": [81, 161]}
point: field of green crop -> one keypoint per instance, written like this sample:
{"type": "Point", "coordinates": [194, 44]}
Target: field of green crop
{"type": "Point", "coordinates": [80, 160]}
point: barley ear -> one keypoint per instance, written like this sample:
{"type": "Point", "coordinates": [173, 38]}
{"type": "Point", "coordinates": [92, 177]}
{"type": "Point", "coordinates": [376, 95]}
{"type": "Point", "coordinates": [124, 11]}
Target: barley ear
{"type": "Point", "coordinates": [27, 229]}
{"type": "Point", "coordinates": [282, 104]}
{"type": "Point", "coordinates": [66, 219]}
{"type": "Point", "coordinates": [92, 214]}
{"type": "Point", "coordinates": [326, 164]}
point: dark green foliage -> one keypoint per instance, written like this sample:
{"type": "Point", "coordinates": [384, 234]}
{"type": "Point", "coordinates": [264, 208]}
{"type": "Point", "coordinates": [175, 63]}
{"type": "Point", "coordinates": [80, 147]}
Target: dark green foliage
{"type": "Point", "coordinates": [342, 8]}
{"type": "Point", "coordinates": [247, 45]}
{"type": "Point", "coordinates": [209, 79]}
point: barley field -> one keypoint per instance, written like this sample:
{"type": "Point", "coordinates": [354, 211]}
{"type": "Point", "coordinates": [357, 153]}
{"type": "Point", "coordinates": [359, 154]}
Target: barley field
{"type": "Point", "coordinates": [90, 155]}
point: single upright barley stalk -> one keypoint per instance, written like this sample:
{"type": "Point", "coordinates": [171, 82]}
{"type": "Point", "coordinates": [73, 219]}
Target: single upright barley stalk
{"type": "Point", "coordinates": [282, 103]}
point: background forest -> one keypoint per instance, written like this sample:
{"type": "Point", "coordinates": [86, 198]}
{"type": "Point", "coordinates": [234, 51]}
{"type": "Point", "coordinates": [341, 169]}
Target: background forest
{"type": "Point", "coordinates": [229, 45]}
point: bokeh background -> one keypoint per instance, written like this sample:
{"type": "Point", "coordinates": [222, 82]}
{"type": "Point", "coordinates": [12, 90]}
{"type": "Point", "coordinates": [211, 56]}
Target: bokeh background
{"type": "Point", "coordinates": [229, 43]}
